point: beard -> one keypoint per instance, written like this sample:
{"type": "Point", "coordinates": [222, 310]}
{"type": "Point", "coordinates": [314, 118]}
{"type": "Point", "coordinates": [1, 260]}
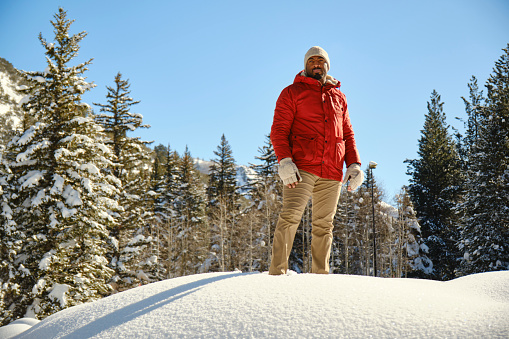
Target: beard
{"type": "Point", "coordinates": [317, 76]}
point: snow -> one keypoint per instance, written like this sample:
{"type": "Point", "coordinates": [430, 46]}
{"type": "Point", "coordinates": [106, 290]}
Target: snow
{"type": "Point", "coordinates": [45, 262]}
{"type": "Point", "coordinates": [256, 305]}
{"type": "Point", "coordinates": [31, 179]}
{"type": "Point", "coordinates": [24, 156]}
{"type": "Point", "coordinates": [91, 168]}
{"type": "Point", "coordinates": [58, 293]}
{"type": "Point", "coordinates": [9, 88]}
{"type": "Point", "coordinates": [29, 134]}
{"type": "Point", "coordinates": [72, 196]}
{"type": "Point", "coordinates": [17, 327]}
{"type": "Point", "coordinates": [389, 210]}
{"type": "Point", "coordinates": [202, 165]}
{"type": "Point", "coordinates": [244, 175]}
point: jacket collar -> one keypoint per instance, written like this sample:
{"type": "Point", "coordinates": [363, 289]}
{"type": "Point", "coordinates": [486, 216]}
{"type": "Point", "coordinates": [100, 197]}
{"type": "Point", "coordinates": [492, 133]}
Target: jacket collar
{"type": "Point", "coordinates": [330, 81]}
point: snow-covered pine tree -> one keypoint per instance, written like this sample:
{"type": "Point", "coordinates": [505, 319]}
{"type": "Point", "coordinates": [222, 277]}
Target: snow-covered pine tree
{"type": "Point", "coordinates": [9, 289]}
{"type": "Point", "coordinates": [60, 200]}
{"type": "Point", "coordinates": [166, 186]}
{"type": "Point", "coordinates": [435, 189]}
{"type": "Point", "coordinates": [191, 235]}
{"type": "Point", "coordinates": [412, 260]}
{"type": "Point", "coordinates": [171, 186]}
{"type": "Point", "coordinates": [223, 207]}
{"type": "Point", "coordinates": [131, 259]}
{"type": "Point", "coordinates": [266, 194]}
{"type": "Point", "coordinates": [158, 170]}
{"type": "Point", "coordinates": [158, 270]}
{"type": "Point", "coordinates": [485, 228]}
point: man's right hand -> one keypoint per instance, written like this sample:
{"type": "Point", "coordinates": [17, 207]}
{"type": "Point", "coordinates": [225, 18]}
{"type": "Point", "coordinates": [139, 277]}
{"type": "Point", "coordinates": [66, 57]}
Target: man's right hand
{"type": "Point", "coordinates": [289, 173]}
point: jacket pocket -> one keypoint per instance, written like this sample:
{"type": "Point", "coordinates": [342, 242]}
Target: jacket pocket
{"type": "Point", "coordinates": [304, 148]}
{"type": "Point", "coordinates": [339, 157]}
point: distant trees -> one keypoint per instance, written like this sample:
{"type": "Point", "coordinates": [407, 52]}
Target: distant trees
{"type": "Point", "coordinates": [399, 246]}
{"type": "Point", "coordinates": [166, 185]}
{"type": "Point", "coordinates": [223, 206]}
{"type": "Point", "coordinates": [191, 233]}
{"type": "Point", "coordinates": [266, 196]}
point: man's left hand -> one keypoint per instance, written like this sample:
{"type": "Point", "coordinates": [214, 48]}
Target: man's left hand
{"type": "Point", "coordinates": [355, 176]}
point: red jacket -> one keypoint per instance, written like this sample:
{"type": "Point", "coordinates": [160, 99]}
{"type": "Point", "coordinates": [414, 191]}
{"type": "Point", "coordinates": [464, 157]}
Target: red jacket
{"type": "Point", "coordinates": [312, 126]}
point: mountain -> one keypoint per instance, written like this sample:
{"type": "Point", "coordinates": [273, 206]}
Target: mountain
{"type": "Point", "coordinates": [10, 112]}
{"type": "Point", "coordinates": [244, 173]}
{"type": "Point", "coordinates": [256, 305]}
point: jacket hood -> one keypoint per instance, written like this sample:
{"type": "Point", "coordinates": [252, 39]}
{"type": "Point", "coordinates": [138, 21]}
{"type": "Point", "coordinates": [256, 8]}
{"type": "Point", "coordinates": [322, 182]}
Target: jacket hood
{"type": "Point", "coordinates": [301, 77]}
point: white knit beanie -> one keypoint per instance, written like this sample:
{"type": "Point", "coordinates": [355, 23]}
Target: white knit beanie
{"type": "Point", "coordinates": [317, 51]}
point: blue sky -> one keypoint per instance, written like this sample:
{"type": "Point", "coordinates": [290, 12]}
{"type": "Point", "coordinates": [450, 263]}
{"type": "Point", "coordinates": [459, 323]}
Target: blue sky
{"type": "Point", "coordinates": [204, 68]}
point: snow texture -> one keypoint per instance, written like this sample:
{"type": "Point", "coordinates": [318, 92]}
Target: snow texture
{"type": "Point", "coordinates": [17, 327]}
{"type": "Point", "coordinates": [9, 89]}
{"type": "Point", "coordinates": [256, 305]}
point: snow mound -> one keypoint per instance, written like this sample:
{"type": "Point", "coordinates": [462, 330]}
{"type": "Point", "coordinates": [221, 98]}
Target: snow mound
{"type": "Point", "coordinates": [17, 327]}
{"type": "Point", "coordinates": [256, 305]}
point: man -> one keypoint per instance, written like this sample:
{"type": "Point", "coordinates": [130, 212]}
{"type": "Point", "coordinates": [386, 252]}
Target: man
{"type": "Point", "coordinates": [312, 137]}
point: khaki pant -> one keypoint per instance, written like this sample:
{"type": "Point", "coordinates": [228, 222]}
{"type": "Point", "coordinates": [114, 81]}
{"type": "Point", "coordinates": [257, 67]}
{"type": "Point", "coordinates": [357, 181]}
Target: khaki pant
{"type": "Point", "coordinates": [325, 195]}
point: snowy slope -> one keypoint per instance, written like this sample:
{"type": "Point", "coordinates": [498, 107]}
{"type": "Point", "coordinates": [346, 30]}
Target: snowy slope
{"type": "Point", "coordinates": [7, 90]}
{"type": "Point", "coordinates": [244, 173]}
{"type": "Point", "coordinates": [202, 165]}
{"type": "Point", "coordinates": [8, 83]}
{"type": "Point", "coordinates": [242, 305]}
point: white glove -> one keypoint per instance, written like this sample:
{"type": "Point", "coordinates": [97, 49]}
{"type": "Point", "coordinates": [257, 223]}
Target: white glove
{"type": "Point", "coordinates": [355, 175]}
{"type": "Point", "coordinates": [288, 171]}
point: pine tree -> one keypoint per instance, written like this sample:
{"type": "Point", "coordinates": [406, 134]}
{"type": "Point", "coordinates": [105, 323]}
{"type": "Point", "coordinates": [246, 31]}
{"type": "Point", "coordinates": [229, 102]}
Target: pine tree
{"type": "Point", "coordinates": [60, 198]}
{"type": "Point", "coordinates": [223, 205]}
{"type": "Point", "coordinates": [158, 180]}
{"type": "Point", "coordinates": [342, 233]}
{"type": "Point", "coordinates": [435, 187]}
{"type": "Point", "coordinates": [191, 235]}
{"type": "Point", "coordinates": [167, 188]}
{"type": "Point", "coordinates": [266, 192]}
{"type": "Point", "coordinates": [485, 229]}
{"type": "Point", "coordinates": [8, 249]}
{"type": "Point", "coordinates": [412, 252]}
{"type": "Point", "coordinates": [466, 143]}
{"type": "Point", "coordinates": [474, 122]}
{"type": "Point", "coordinates": [369, 202]}
{"type": "Point", "coordinates": [131, 258]}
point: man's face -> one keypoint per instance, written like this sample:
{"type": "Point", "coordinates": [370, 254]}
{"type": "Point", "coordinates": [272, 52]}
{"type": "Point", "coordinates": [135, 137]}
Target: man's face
{"type": "Point", "coordinates": [315, 68]}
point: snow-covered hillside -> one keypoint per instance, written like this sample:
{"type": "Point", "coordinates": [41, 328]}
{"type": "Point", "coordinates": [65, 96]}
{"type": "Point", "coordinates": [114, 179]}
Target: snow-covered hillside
{"type": "Point", "coordinates": [7, 89]}
{"type": "Point", "coordinates": [244, 305]}
{"type": "Point", "coordinates": [244, 173]}
{"type": "Point", "coordinates": [10, 113]}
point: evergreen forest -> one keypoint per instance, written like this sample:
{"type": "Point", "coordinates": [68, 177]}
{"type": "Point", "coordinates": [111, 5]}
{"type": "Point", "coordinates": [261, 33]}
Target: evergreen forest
{"type": "Point", "coordinates": [88, 209]}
